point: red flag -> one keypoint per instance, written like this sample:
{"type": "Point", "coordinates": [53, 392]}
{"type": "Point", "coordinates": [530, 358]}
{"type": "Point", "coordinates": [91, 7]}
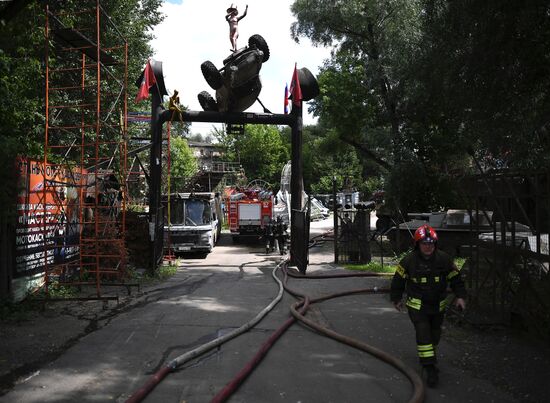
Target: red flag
{"type": "Point", "coordinates": [148, 81]}
{"type": "Point", "coordinates": [286, 99]}
{"type": "Point", "coordinates": [295, 89]}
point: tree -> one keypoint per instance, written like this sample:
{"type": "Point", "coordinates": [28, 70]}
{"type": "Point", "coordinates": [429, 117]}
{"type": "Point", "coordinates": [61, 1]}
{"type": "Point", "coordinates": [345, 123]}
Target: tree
{"type": "Point", "coordinates": [183, 164]}
{"type": "Point", "coordinates": [364, 87]}
{"type": "Point", "coordinates": [480, 70]}
{"type": "Point", "coordinates": [326, 157]}
{"type": "Point", "coordinates": [441, 78]}
{"type": "Point", "coordinates": [22, 72]}
{"type": "Point", "coordinates": [261, 151]}
{"type": "Point", "coordinates": [421, 87]}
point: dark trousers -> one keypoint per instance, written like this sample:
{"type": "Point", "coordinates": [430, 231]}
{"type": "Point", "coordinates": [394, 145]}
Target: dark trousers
{"type": "Point", "coordinates": [428, 333]}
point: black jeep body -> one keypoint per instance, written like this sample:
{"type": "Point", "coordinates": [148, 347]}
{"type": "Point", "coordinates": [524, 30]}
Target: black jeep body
{"type": "Point", "coordinates": [237, 83]}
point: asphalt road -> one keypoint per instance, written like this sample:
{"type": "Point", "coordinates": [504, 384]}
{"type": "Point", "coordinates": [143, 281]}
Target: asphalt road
{"type": "Point", "coordinates": [212, 296]}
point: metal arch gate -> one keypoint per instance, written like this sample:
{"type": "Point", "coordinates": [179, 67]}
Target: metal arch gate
{"type": "Point", "coordinates": [159, 116]}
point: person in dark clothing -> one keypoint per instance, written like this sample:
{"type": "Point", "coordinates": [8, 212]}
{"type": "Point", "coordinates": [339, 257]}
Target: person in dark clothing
{"type": "Point", "coordinates": [280, 233]}
{"type": "Point", "coordinates": [424, 275]}
{"type": "Point", "coordinates": [269, 236]}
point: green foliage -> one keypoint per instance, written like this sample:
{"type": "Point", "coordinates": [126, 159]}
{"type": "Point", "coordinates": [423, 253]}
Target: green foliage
{"type": "Point", "coordinates": [60, 291]}
{"type": "Point", "coordinates": [260, 150]}
{"type": "Point", "coordinates": [363, 87]}
{"type": "Point", "coordinates": [138, 208]}
{"type": "Point", "coordinates": [22, 68]}
{"type": "Point", "coordinates": [22, 111]}
{"type": "Point", "coordinates": [165, 272]}
{"type": "Point", "coordinates": [377, 267]}
{"type": "Point", "coordinates": [183, 164]}
{"type": "Point", "coordinates": [492, 81]}
{"type": "Point", "coordinates": [162, 273]}
{"type": "Point", "coordinates": [374, 267]}
{"type": "Point", "coordinates": [418, 88]}
{"type": "Point", "coordinates": [325, 157]}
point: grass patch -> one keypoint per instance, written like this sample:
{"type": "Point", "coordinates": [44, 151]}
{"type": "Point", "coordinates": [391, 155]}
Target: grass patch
{"type": "Point", "coordinates": [165, 272]}
{"type": "Point", "coordinates": [374, 267]}
{"type": "Point", "coordinates": [162, 273]}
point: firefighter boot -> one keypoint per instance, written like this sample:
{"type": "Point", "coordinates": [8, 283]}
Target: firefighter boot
{"type": "Point", "coordinates": [432, 375]}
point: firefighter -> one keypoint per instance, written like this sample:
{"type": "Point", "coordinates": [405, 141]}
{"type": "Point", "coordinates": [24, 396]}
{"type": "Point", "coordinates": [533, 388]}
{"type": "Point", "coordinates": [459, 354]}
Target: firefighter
{"type": "Point", "coordinates": [269, 236]}
{"type": "Point", "coordinates": [280, 233]}
{"type": "Point", "coordinates": [424, 274]}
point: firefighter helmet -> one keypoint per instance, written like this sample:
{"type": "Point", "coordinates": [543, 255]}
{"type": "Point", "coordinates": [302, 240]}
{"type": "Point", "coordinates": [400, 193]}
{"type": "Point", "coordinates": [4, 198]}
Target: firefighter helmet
{"type": "Point", "coordinates": [425, 233]}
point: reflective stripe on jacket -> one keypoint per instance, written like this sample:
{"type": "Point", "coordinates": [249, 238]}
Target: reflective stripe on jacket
{"type": "Point", "coordinates": [426, 280]}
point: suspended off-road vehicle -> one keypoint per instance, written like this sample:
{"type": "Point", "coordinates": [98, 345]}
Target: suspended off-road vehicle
{"type": "Point", "coordinates": [237, 83]}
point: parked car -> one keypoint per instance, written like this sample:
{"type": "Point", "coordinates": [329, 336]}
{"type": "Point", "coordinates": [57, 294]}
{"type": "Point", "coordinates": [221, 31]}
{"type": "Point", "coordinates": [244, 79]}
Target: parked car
{"type": "Point", "coordinates": [237, 83]}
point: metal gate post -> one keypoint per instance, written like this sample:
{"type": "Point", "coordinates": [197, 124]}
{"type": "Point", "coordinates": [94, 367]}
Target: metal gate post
{"type": "Point", "coordinates": [155, 169]}
{"type": "Point", "coordinates": [298, 245]}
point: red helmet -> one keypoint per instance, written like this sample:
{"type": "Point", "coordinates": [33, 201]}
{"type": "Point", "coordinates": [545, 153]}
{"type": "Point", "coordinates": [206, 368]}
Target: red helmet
{"type": "Point", "coordinates": [425, 233]}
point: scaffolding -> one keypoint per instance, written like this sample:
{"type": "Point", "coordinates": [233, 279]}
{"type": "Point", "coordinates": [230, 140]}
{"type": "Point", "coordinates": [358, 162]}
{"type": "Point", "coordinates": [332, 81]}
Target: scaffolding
{"type": "Point", "coordinates": [85, 148]}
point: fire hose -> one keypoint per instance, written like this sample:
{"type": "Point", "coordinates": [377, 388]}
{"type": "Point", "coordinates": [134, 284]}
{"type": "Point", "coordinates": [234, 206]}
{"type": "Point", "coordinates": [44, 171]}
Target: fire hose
{"type": "Point", "coordinates": [158, 376]}
{"type": "Point", "coordinates": [298, 310]}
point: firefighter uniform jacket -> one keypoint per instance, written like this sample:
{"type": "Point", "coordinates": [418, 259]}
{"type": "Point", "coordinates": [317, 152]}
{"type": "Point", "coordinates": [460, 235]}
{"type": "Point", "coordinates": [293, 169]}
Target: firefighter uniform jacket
{"type": "Point", "coordinates": [426, 281]}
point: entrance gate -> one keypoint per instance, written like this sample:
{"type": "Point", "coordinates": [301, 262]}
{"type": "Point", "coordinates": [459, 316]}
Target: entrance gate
{"type": "Point", "coordinates": [159, 116]}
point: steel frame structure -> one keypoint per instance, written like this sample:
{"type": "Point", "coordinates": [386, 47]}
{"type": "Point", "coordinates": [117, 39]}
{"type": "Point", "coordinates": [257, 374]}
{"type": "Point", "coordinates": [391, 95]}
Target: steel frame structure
{"type": "Point", "coordinates": [85, 140]}
{"type": "Point", "coordinates": [159, 115]}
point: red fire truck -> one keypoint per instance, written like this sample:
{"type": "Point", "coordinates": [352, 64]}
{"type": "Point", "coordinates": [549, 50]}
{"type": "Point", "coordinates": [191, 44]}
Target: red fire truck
{"type": "Point", "coordinates": [249, 210]}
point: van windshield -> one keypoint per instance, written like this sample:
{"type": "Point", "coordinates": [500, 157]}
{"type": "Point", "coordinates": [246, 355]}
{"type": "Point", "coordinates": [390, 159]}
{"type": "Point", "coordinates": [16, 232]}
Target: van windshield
{"type": "Point", "coordinates": [189, 212]}
{"type": "Point", "coordinates": [197, 212]}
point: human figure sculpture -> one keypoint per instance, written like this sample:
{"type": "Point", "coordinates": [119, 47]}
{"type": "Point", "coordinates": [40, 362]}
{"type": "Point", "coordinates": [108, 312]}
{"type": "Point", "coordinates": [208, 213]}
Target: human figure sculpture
{"type": "Point", "coordinates": [174, 106]}
{"type": "Point", "coordinates": [233, 21]}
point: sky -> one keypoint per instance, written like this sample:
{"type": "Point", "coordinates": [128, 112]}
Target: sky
{"type": "Point", "coordinates": [194, 31]}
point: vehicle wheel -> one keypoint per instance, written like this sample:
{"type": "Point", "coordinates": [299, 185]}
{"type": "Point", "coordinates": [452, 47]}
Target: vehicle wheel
{"type": "Point", "coordinates": [258, 42]}
{"type": "Point", "coordinates": [211, 74]}
{"type": "Point", "coordinates": [208, 103]}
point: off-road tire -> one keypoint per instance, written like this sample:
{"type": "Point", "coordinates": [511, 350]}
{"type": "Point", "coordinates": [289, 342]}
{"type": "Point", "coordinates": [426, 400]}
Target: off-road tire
{"type": "Point", "coordinates": [211, 74]}
{"type": "Point", "coordinates": [208, 103]}
{"type": "Point", "coordinates": [258, 42]}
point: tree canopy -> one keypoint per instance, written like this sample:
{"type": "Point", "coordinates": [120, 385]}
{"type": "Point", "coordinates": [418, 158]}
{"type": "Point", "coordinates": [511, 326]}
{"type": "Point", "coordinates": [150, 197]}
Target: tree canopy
{"type": "Point", "coordinates": [261, 151]}
{"type": "Point", "coordinates": [183, 164]}
{"type": "Point", "coordinates": [414, 92]}
{"type": "Point", "coordinates": [421, 87]}
{"type": "Point", "coordinates": [22, 67]}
